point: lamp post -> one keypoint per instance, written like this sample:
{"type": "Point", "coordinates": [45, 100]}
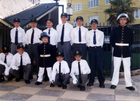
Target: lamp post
{"type": "Point", "coordinates": [69, 11]}
{"type": "Point", "coordinates": [59, 5]}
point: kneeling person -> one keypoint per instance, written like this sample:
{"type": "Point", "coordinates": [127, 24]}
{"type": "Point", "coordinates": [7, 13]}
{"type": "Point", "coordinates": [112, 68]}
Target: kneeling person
{"type": "Point", "coordinates": [80, 70]}
{"type": "Point", "coordinates": [46, 52]}
{"type": "Point", "coordinates": [60, 71]}
{"type": "Point", "coordinates": [20, 65]}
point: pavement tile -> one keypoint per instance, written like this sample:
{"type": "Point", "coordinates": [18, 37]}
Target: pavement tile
{"type": "Point", "coordinates": [3, 93]}
{"type": "Point", "coordinates": [102, 91]}
{"type": "Point", "coordinates": [73, 88]}
{"type": "Point", "coordinates": [99, 97]}
{"type": "Point", "coordinates": [48, 92]}
{"type": "Point", "coordinates": [32, 84]}
{"type": "Point", "coordinates": [14, 83]}
{"type": "Point", "coordinates": [41, 98]}
{"type": "Point", "coordinates": [7, 88]}
{"type": "Point", "coordinates": [137, 83]}
{"type": "Point", "coordinates": [130, 98]}
{"type": "Point", "coordinates": [13, 96]}
{"type": "Point", "coordinates": [26, 90]}
{"type": "Point", "coordinates": [62, 99]}
{"type": "Point", "coordinates": [75, 95]}
{"type": "Point", "coordinates": [96, 85]}
{"type": "Point", "coordinates": [56, 88]}
{"type": "Point", "coordinates": [126, 92]}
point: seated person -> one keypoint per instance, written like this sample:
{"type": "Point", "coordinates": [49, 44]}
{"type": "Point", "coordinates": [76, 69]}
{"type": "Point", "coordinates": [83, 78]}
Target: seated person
{"type": "Point", "coordinates": [20, 64]}
{"type": "Point", "coordinates": [60, 71]}
{"type": "Point", "coordinates": [79, 71]}
{"type": "Point", "coordinates": [5, 61]}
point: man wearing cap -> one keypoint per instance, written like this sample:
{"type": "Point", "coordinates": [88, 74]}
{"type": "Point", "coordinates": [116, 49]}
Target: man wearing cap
{"type": "Point", "coordinates": [60, 73]}
{"type": "Point", "coordinates": [122, 39]}
{"type": "Point", "coordinates": [17, 35]}
{"type": "Point", "coordinates": [78, 37]}
{"type": "Point", "coordinates": [20, 65]}
{"type": "Point", "coordinates": [53, 40]}
{"type": "Point", "coordinates": [32, 39]}
{"type": "Point", "coordinates": [5, 61]}
{"type": "Point", "coordinates": [46, 52]}
{"type": "Point", "coordinates": [95, 40]}
{"type": "Point", "coordinates": [64, 31]}
{"type": "Point", "coordinates": [79, 70]}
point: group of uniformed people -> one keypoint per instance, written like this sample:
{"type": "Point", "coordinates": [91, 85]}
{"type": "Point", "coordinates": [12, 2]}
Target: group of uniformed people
{"type": "Point", "coordinates": [51, 51]}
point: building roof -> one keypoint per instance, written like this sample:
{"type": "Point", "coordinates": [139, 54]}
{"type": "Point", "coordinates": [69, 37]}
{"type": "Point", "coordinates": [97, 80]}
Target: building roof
{"type": "Point", "coordinates": [27, 15]}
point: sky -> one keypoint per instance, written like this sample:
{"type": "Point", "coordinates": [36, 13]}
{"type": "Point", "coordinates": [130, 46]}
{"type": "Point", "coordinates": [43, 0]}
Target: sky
{"type": "Point", "coordinates": [62, 2]}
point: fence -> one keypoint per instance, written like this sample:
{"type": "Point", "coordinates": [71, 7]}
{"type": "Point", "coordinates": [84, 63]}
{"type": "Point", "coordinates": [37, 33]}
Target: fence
{"type": "Point", "coordinates": [107, 50]}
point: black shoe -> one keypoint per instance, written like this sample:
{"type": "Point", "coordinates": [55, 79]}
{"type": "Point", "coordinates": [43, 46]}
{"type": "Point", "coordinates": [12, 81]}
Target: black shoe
{"type": "Point", "coordinates": [27, 81]}
{"type": "Point", "coordinates": [17, 79]}
{"type": "Point", "coordinates": [52, 85]}
{"type": "Point", "coordinates": [59, 85]}
{"type": "Point", "coordinates": [31, 78]}
{"type": "Point", "coordinates": [130, 88]}
{"type": "Point", "coordinates": [82, 88]}
{"type": "Point", "coordinates": [113, 86]}
{"type": "Point", "coordinates": [89, 84]}
{"type": "Point", "coordinates": [78, 86]}
{"type": "Point", "coordinates": [38, 83]}
{"type": "Point", "coordinates": [64, 87]}
{"type": "Point", "coordinates": [1, 80]}
{"type": "Point", "coordinates": [102, 85]}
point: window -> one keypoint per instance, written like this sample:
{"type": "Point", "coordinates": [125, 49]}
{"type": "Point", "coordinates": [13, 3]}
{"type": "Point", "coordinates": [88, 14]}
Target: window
{"type": "Point", "coordinates": [77, 7]}
{"type": "Point", "coordinates": [107, 1]}
{"type": "Point", "coordinates": [137, 13]}
{"type": "Point", "coordinates": [92, 17]}
{"type": "Point", "coordinates": [92, 3]}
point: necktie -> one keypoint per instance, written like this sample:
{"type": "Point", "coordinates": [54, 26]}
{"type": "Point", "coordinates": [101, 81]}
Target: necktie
{"type": "Point", "coordinates": [94, 38]}
{"type": "Point", "coordinates": [49, 34]}
{"type": "Point", "coordinates": [79, 34]}
{"type": "Point", "coordinates": [21, 68]}
{"type": "Point", "coordinates": [21, 60]}
{"type": "Point", "coordinates": [62, 35]}
{"type": "Point", "coordinates": [5, 59]}
{"type": "Point", "coordinates": [80, 80]}
{"type": "Point", "coordinates": [32, 37]}
{"type": "Point", "coordinates": [59, 72]}
{"type": "Point", "coordinates": [16, 37]}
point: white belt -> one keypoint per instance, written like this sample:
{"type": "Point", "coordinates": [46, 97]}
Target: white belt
{"type": "Point", "coordinates": [121, 44]}
{"type": "Point", "coordinates": [48, 55]}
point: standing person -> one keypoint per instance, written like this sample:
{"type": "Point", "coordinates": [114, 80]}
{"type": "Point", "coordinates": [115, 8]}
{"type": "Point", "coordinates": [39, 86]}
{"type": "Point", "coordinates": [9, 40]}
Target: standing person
{"type": "Point", "coordinates": [45, 51]}
{"type": "Point", "coordinates": [122, 39]}
{"type": "Point", "coordinates": [64, 31]}
{"type": "Point", "coordinates": [95, 40]}
{"type": "Point", "coordinates": [53, 40]}
{"type": "Point", "coordinates": [17, 35]}
{"type": "Point", "coordinates": [32, 39]}
{"type": "Point", "coordinates": [20, 64]}
{"type": "Point", "coordinates": [78, 37]}
{"type": "Point", "coordinates": [79, 70]}
{"type": "Point", "coordinates": [60, 71]}
{"type": "Point", "coordinates": [5, 61]}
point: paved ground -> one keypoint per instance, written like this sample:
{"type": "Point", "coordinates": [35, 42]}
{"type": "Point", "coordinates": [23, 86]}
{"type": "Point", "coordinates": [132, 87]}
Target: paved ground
{"type": "Point", "coordinates": [20, 91]}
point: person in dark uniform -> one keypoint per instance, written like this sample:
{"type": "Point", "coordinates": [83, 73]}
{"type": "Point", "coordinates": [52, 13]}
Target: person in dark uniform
{"type": "Point", "coordinates": [78, 37]}
{"type": "Point", "coordinates": [5, 61]}
{"type": "Point", "coordinates": [79, 70]}
{"type": "Point", "coordinates": [95, 41]}
{"type": "Point", "coordinates": [32, 39]}
{"type": "Point", "coordinates": [20, 64]}
{"type": "Point", "coordinates": [60, 71]}
{"type": "Point", "coordinates": [46, 53]}
{"type": "Point", "coordinates": [17, 35]}
{"type": "Point", "coordinates": [122, 39]}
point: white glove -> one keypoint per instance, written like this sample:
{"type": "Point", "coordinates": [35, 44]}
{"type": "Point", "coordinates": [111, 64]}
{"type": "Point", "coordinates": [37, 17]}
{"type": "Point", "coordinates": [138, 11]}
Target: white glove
{"type": "Point", "coordinates": [75, 81]}
{"type": "Point", "coordinates": [7, 71]}
{"type": "Point", "coordinates": [14, 68]}
{"type": "Point", "coordinates": [84, 72]}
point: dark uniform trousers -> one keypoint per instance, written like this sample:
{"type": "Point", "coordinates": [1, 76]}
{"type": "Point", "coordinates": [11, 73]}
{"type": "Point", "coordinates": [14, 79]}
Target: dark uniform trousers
{"type": "Point", "coordinates": [2, 69]}
{"type": "Point", "coordinates": [14, 48]}
{"type": "Point", "coordinates": [64, 78]}
{"type": "Point", "coordinates": [66, 49]}
{"type": "Point", "coordinates": [84, 80]}
{"type": "Point", "coordinates": [82, 48]}
{"type": "Point", "coordinates": [96, 63]}
{"type": "Point", "coordinates": [26, 72]}
{"type": "Point", "coordinates": [33, 53]}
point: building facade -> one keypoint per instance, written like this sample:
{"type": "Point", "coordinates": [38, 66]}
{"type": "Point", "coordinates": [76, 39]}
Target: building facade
{"type": "Point", "coordinates": [94, 9]}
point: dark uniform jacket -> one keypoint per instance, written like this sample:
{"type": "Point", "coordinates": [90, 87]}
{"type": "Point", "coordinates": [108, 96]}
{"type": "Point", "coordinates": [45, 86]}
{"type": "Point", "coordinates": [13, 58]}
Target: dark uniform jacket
{"type": "Point", "coordinates": [122, 35]}
{"type": "Point", "coordinates": [46, 49]}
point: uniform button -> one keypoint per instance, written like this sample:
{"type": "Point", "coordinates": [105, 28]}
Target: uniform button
{"type": "Point", "coordinates": [44, 50]}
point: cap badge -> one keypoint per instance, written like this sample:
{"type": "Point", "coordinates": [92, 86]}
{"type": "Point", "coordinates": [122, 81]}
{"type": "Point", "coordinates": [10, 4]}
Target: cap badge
{"type": "Point", "coordinates": [5, 48]}
{"type": "Point", "coordinates": [32, 19]}
{"type": "Point", "coordinates": [63, 13]}
{"type": "Point", "coordinates": [20, 45]}
{"type": "Point", "coordinates": [93, 20]}
{"type": "Point", "coordinates": [59, 53]}
{"type": "Point", "coordinates": [77, 52]}
{"type": "Point", "coordinates": [79, 17]}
